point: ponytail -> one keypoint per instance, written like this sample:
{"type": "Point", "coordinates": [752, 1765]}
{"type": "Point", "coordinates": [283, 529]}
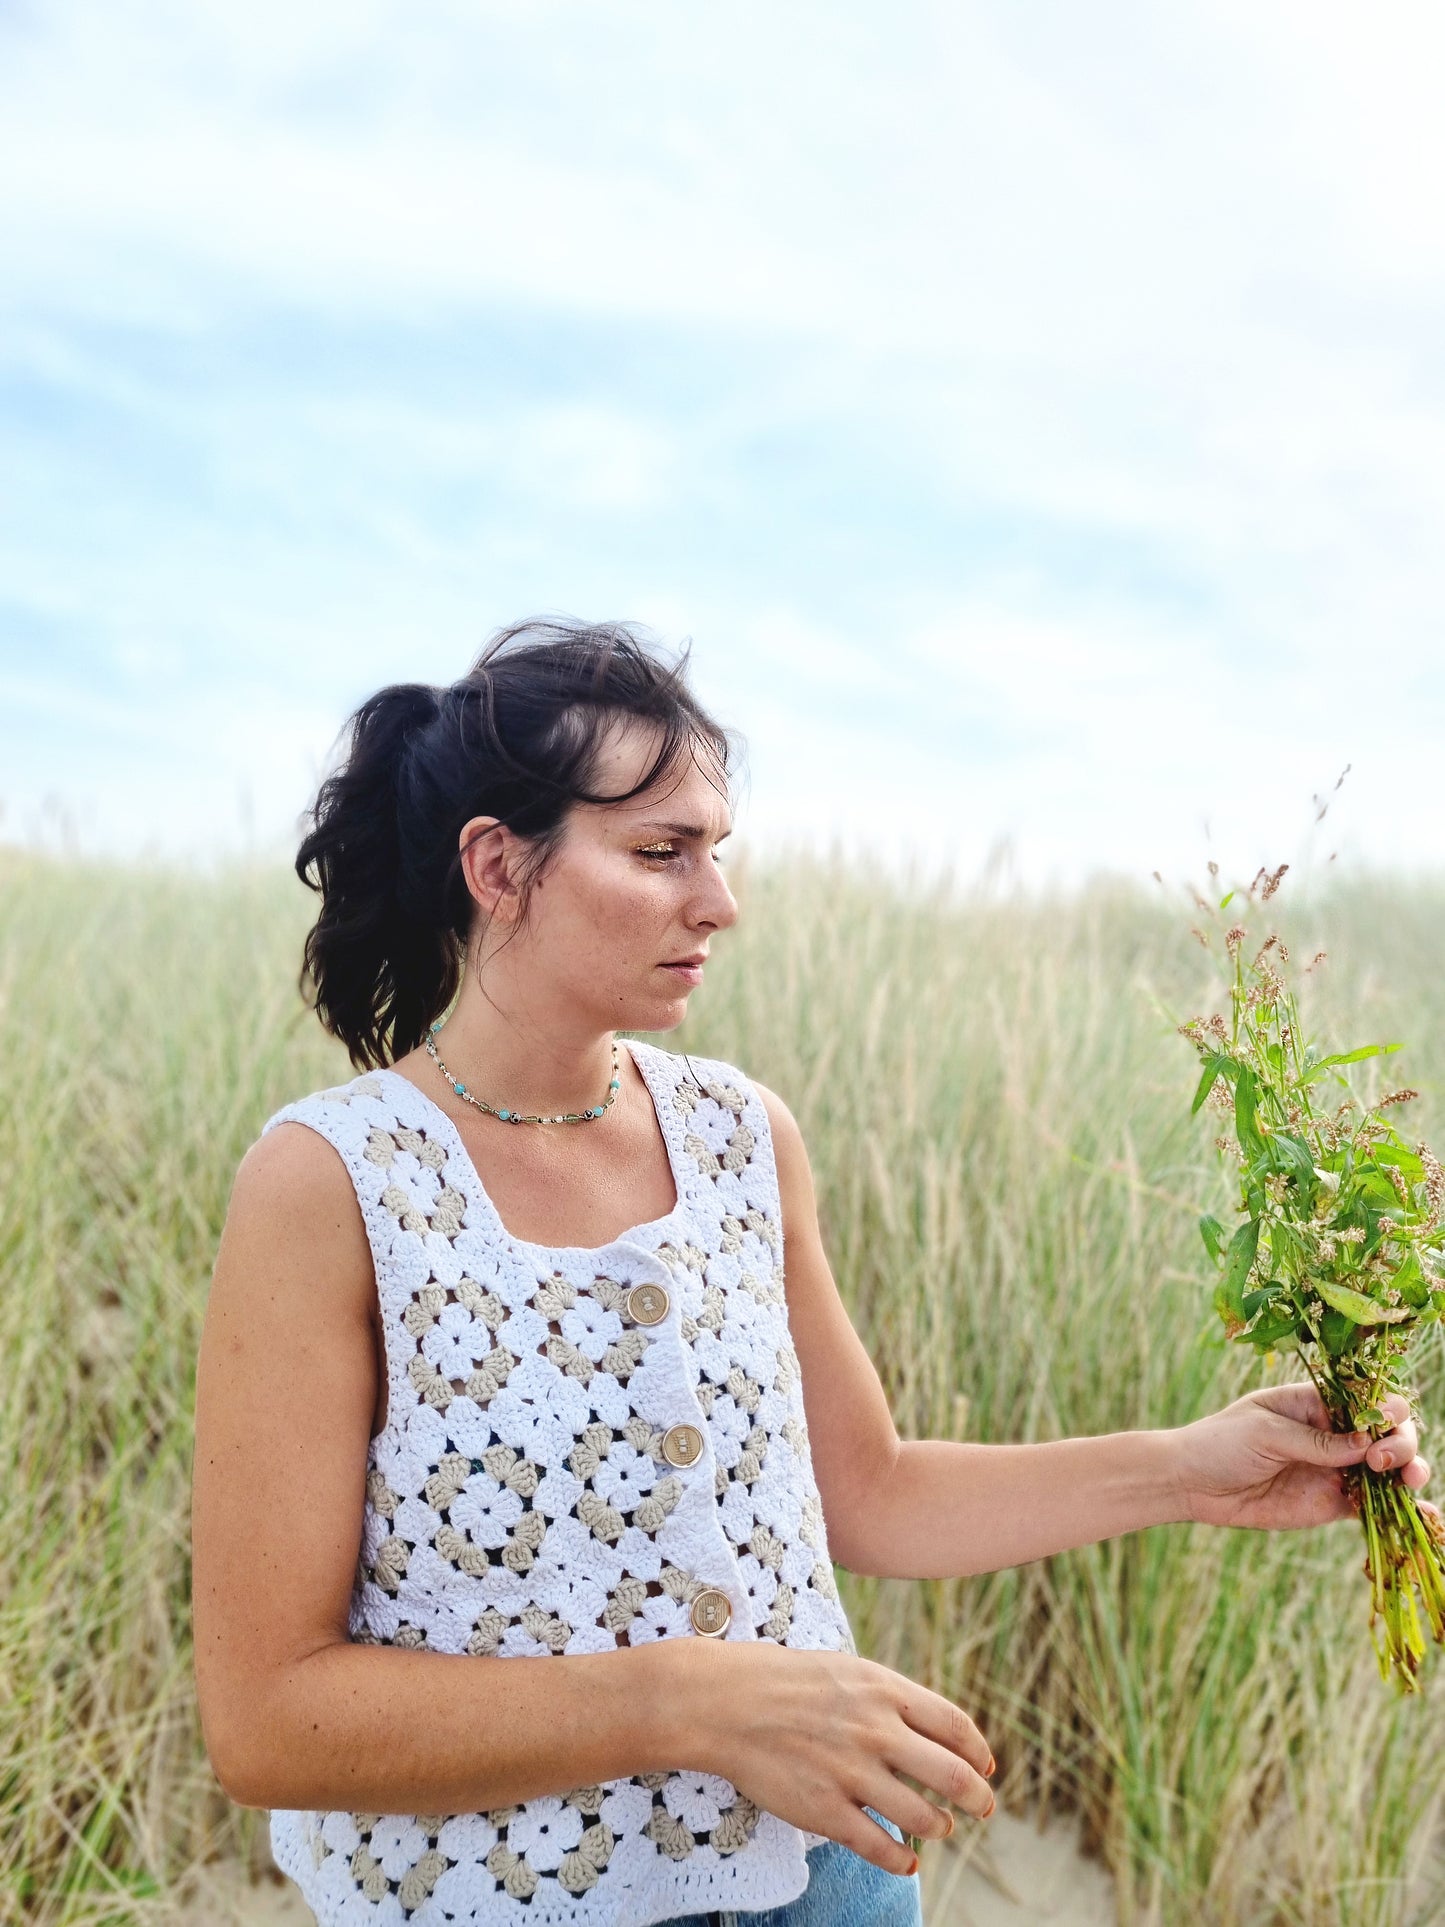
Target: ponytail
{"type": "Point", "coordinates": [379, 960]}
{"type": "Point", "coordinates": [516, 738]}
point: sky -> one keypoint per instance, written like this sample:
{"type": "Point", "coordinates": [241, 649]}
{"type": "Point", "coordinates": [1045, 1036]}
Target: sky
{"type": "Point", "coordinates": [1031, 415]}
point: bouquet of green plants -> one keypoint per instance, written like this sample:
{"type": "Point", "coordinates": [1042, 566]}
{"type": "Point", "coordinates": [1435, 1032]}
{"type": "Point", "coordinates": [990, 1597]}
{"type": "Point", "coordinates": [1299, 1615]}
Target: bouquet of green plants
{"type": "Point", "coordinates": [1339, 1252]}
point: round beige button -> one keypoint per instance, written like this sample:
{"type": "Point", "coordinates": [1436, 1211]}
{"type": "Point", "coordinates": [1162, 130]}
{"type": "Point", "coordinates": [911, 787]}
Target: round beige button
{"type": "Point", "coordinates": [711, 1613]}
{"type": "Point", "coordinates": [682, 1445]}
{"type": "Point", "coordinates": [647, 1304]}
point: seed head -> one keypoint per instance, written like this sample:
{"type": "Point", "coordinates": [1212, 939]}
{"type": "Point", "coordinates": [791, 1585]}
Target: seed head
{"type": "Point", "coordinates": [1434, 1186]}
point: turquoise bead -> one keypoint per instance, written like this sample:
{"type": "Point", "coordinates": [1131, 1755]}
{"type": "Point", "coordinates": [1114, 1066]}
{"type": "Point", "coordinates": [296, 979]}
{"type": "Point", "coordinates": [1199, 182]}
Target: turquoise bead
{"type": "Point", "coordinates": [460, 1089]}
{"type": "Point", "coordinates": [615, 1084]}
{"type": "Point", "coordinates": [504, 1113]}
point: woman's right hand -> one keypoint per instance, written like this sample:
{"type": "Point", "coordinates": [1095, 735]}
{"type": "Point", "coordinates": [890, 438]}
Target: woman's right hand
{"type": "Point", "coordinates": [814, 1737]}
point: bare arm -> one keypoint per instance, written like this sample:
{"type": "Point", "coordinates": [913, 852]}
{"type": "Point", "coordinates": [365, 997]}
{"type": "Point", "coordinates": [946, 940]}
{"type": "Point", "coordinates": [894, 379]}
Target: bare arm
{"type": "Point", "coordinates": [932, 1508]}
{"type": "Point", "coordinates": [296, 1715]}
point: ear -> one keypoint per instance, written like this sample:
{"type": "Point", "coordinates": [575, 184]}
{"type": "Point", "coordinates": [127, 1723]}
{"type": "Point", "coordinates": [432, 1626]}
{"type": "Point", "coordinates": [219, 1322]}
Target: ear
{"type": "Point", "coordinates": [490, 863]}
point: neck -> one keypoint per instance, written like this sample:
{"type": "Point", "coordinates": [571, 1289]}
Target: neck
{"type": "Point", "coordinates": [515, 1058]}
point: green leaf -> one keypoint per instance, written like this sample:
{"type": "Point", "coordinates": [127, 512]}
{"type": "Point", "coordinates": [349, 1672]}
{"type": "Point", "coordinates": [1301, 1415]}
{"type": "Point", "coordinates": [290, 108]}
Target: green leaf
{"type": "Point", "coordinates": [1273, 1328]}
{"type": "Point", "coordinates": [1213, 1069]}
{"type": "Point", "coordinates": [1212, 1232]}
{"type": "Point", "coordinates": [1336, 1331]}
{"type": "Point", "coordinates": [1229, 1292]}
{"type": "Point", "coordinates": [1371, 1416]}
{"type": "Point", "coordinates": [1374, 1185]}
{"type": "Point", "coordinates": [1355, 1306]}
{"type": "Point", "coordinates": [1350, 1057]}
{"type": "Point", "coordinates": [1246, 1127]}
{"type": "Point", "coordinates": [1404, 1160]}
{"type": "Point", "coordinates": [1226, 900]}
{"type": "Point", "coordinates": [1264, 1296]}
{"type": "Point", "coordinates": [1409, 1281]}
{"type": "Point", "coordinates": [1292, 1157]}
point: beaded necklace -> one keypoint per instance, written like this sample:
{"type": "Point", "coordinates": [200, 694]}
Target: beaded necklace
{"type": "Point", "coordinates": [516, 1117]}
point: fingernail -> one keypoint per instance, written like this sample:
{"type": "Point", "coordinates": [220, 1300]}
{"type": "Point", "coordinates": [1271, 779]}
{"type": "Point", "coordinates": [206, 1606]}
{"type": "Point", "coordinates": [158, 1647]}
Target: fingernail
{"type": "Point", "coordinates": [912, 1869]}
{"type": "Point", "coordinates": [1385, 1461]}
{"type": "Point", "coordinates": [991, 1768]}
{"type": "Point", "coordinates": [992, 1805]}
{"type": "Point", "coordinates": [950, 1825]}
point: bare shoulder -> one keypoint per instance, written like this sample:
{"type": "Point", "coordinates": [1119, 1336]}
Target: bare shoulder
{"type": "Point", "coordinates": [290, 1163]}
{"type": "Point", "coordinates": [297, 1162]}
{"type": "Point", "coordinates": [294, 1246]}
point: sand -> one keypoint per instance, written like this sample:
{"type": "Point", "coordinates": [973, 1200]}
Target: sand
{"type": "Point", "coordinates": [1006, 1872]}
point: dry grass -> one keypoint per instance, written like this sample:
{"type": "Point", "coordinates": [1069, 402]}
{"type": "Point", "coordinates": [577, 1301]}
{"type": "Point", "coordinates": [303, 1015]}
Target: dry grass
{"type": "Point", "coordinates": [995, 1107]}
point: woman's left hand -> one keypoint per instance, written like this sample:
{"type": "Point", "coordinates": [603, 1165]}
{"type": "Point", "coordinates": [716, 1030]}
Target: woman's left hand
{"type": "Point", "coordinates": [1271, 1460]}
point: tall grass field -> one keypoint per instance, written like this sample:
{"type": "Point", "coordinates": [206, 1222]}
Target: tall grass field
{"type": "Point", "coordinates": [996, 1103]}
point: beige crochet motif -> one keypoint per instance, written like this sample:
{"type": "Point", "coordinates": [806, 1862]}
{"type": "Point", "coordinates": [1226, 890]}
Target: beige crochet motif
{"type": "Point", "coordinates": [448, 1507]}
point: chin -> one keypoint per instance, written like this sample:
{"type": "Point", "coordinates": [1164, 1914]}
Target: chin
{"type": "Point", "coordinates": [663, 1014]}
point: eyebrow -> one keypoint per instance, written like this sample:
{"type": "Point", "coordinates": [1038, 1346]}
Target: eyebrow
{"type": "Point", "coordinates": [697, 830]}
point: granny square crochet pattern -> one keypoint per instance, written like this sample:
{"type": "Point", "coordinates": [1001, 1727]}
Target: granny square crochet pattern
{"type": "Point", "coordinates": [519, 1504]}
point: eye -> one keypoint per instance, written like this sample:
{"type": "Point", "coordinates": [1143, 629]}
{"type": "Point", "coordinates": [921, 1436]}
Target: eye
{"type": "Point", "coordinates": [658, 850]}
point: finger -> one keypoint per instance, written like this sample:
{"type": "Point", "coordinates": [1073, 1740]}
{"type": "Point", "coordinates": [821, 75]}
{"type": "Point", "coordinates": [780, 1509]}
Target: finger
{"type": "Point", "coordinates": [854, 1828]}
{"type": "Point", "coordinates": [947, 1725]}
{"type": "Point", "coordinates": [1396, 1407]}
{"type": "Point", "coordinates": [911, 1810]}
{"type": "Point", "coordinates": [1395, 1448]}
{"type": "Point", "coordinates": [1312, 1443]}
{"type": "Point", "coordinates": [1415, 1473]}
{"type": "Point", "coordinates": [1297, 1400]}
{"type": "Point", "coordinates": [943, 1772]}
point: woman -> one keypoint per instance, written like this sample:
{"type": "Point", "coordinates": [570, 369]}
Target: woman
{"type": "Point", "coordinates": [499, 1363]}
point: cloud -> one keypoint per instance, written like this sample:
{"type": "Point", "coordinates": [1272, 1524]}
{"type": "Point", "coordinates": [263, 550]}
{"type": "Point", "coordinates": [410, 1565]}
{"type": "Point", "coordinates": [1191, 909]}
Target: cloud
{"type": "Point", "coordinates": [1022, 403]}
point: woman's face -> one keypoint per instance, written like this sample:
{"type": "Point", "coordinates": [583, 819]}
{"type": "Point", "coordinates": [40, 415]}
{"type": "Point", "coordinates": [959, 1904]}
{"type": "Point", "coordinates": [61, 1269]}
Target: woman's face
{"type": "Point", "coordinates": [633, 891]}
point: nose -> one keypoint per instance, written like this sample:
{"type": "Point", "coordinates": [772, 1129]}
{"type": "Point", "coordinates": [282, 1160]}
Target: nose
{"type": "Point", "coordinates": [715, 906]}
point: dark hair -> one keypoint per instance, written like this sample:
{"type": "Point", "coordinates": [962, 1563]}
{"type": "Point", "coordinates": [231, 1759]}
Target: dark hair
{"type": "Point", "coordinates": [517, 738]}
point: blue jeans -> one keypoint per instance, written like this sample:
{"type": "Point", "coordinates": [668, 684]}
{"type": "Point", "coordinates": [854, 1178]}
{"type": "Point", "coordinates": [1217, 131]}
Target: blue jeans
{"type": "Point", "coordinates": [843, 1890]}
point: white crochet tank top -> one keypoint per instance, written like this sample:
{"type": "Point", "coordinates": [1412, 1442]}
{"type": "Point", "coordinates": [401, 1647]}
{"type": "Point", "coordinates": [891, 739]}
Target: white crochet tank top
{"type": "Point", "coordinates": [521, 1502]}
